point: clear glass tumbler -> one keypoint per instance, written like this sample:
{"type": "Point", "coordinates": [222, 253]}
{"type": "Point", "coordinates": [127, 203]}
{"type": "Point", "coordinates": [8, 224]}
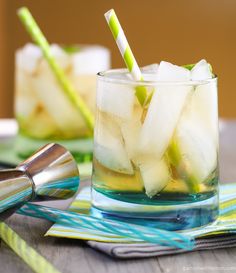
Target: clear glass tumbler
{"type": "Point", "coordinates": [43, 112]}
{"type": "Point", "coordinates": [156, 161]}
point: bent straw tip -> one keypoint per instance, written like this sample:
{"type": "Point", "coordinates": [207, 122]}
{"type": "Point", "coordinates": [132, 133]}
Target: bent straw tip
{"type": "Point", "coordinates": [22, 10]}
{"type": "Point", "coordinates": [108, 14]}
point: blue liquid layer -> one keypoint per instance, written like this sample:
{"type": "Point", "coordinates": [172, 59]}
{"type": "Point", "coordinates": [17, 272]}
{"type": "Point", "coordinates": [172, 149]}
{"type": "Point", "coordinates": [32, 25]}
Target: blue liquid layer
{"type": "Point", "coordinates": [178, 213]}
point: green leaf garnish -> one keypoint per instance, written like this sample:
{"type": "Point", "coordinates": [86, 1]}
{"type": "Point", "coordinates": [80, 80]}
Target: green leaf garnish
{"type": "Point", "coordinates": [71, 49]}
{"type": "Point", "coordinates": [190, 66]}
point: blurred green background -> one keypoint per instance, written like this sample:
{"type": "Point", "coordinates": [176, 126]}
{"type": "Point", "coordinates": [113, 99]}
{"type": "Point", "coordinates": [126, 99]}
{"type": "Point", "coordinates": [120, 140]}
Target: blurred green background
{"type": "Point", "coordinates": [179, 31]}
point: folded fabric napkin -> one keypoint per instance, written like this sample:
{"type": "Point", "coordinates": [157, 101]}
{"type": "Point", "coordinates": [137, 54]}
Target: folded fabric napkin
{"type": "Point", "coordinates": [219, 234]}
{"type": "Point", "coordinates": [126, 251]}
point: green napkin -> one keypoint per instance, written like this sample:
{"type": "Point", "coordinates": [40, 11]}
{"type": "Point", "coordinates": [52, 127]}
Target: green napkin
{"type": "Point", "coordinates": [9, 156]}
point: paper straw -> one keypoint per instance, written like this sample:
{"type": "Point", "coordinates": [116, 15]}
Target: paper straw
{"type": "Point", "coordinates": [30, 256]}
{"type": "Point", "coordinates": [126, 53]}
{"type": "Point", "coordinates": [37, 35]}
{"type": "Point", "coordinates": [113, 227]}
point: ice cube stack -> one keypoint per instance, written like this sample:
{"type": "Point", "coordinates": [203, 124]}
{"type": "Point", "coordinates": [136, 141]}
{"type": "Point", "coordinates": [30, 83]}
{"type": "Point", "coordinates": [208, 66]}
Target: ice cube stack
{"type": "Point", "coordinates": [84, 59]}
{"type": "Point", "coordinates": [41, 106]}
{"type": "Point", "coordinates": [179, 127]}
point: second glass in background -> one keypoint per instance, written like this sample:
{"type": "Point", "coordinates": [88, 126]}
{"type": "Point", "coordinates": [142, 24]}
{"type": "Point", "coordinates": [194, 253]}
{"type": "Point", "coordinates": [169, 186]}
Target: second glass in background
{"type": "Point", "coordinates": [43, 112]}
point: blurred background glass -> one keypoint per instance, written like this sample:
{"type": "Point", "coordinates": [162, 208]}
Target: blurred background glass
{"type": "Point", "coordinates": [42, 109]}
{"type": "Point", "coordinates": [177, 31]}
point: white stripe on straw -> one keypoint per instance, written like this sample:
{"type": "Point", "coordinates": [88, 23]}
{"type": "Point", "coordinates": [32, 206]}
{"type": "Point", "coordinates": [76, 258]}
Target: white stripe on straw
{"type": "Point", "coordinates": [123, 45]}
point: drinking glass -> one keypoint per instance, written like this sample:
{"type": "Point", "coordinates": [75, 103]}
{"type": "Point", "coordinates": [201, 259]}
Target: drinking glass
{"type": "Point", "coordinates": [43, 112]}
{"type": "Point", "coordinates": [156, 161]}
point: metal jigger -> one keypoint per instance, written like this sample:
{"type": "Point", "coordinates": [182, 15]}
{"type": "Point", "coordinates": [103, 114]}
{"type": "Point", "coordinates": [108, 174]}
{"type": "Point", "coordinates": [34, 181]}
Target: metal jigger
{"type": "Point", "coordinates": [50, 173]}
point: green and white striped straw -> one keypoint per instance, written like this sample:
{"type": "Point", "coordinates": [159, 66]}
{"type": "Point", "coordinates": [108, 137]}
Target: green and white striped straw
{"type": "Point", "coordinates": [37, 35]}
{"type": "Point", "coordinates": [126, 53]}
{"type": "Point", "coordinates": [30, 256]}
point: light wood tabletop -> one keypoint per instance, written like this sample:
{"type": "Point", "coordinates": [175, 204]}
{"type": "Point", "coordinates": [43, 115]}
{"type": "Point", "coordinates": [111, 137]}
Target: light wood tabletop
{"type": "Point", "coordinates": [75, 256]}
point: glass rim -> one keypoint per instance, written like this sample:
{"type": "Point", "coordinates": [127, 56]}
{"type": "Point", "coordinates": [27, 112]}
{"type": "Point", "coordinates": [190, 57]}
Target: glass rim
{"type": "Point", "coordinates": [107, 77]}
{"type": "Point", "coordinates": [77, 46]}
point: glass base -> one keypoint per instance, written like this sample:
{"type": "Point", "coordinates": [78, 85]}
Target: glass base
{"type": "Point", "coordinates": [81, 149]}
{"type": "Point", "coordinates": [175, 216]}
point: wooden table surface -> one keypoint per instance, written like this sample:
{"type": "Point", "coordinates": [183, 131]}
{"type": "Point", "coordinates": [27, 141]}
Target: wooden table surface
{"type": "Point", "coordinates": [75, 256]}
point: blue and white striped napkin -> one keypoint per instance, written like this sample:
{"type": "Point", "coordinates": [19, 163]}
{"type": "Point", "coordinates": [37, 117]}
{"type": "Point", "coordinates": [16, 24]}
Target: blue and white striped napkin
{"type": "Point", "coordinates": [219, 234]}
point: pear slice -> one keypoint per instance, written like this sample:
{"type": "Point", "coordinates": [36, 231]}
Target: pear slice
{"type": "Point", "coordinates": [162, 117]}
{"type": "Point", "coordinates": [117, 100]}
{"type": "Point", "coordinates": [113, 156]}
{"type": "Point", "coordinates": [193, 153]}
{"type": "Point", "coordinates": [130, 130]}
{"type": "Point", "coordinates": [155, 174]}
{"type": "Point", "coordinates": [201, 71]}
{"type": "Point", "coordinates": [89, 60]}
{"type": "Point", "coordinates": [55, 102]}
{"type": "Point", "coordinates": [109, 147]}
{"type": "Point", "coordinates": [169, 72]}
{"type": "Point", "coordinates": [62, 58]}
{"type": "Point", "coordinates": [194, 147]}
{"type": "Point", "coordinates": [165, 109]}
{"type": "Point", "coordinates": [25, 101]}
{"type": "Point", "coordinates": [38, 125]}
{"type": "Point", "coordinates": [206, 107]}
{"type": "Point", "coordinates": [28, 58]}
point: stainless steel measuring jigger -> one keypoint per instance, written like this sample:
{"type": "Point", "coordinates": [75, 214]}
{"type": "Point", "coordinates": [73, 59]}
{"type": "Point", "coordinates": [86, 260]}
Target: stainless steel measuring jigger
{"type": "Point", "coordinates": [50, 173]}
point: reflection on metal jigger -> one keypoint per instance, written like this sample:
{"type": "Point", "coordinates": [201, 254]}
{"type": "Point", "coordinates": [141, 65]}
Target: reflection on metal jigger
{"type": "Point", "coordinates": [50, 173]}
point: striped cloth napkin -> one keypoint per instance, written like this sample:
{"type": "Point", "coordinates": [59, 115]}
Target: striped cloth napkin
{"type": "Point", "coordinates": [219, 234]}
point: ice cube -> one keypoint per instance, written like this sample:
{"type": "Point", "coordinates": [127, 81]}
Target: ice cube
{"type": "Point", "coordinates": [149, 72]}
{"type": "Point", "coordinates": [109, 147]}
{"type": "Point", "coordinates": [56, 103]}
{"type": "Point", "coordinates": [198, 153]}
{"type": "Point", "coordinates": [60, 55]}
{"type": "Point", "coordinates": [116, 99]}
{"type": "Point", "coordinates": [170, 72]}
{"type": "Point", "coordinates": [91, 60]}
{"type": "Point", "coordinates": [162, 117]}
{"type": "Point", "coordinates": [28, 57]}
{"type": "Point", "coordinates": [24, 106]}
{"type": "Point", "coordinates": [130, 132]}
{"type": "Point", "coordinates": [151, 67]}
{"type": "Point", "coordinates": [201, 71]}
{"type": "Point", "coordinates": [155, 174]}
{"type": "Point", "coordinates": [113, 156]}
{"type": "Point", "coordinates": [39, 124]}
{"type": "Point", "coordinates": [196, 137]}
{"type": "Point", "coordinates": [204, 106]}
{"type": "Point", "coordinates": [26, 100]}
{"type": "Point", "coordinates": [86, 86]}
